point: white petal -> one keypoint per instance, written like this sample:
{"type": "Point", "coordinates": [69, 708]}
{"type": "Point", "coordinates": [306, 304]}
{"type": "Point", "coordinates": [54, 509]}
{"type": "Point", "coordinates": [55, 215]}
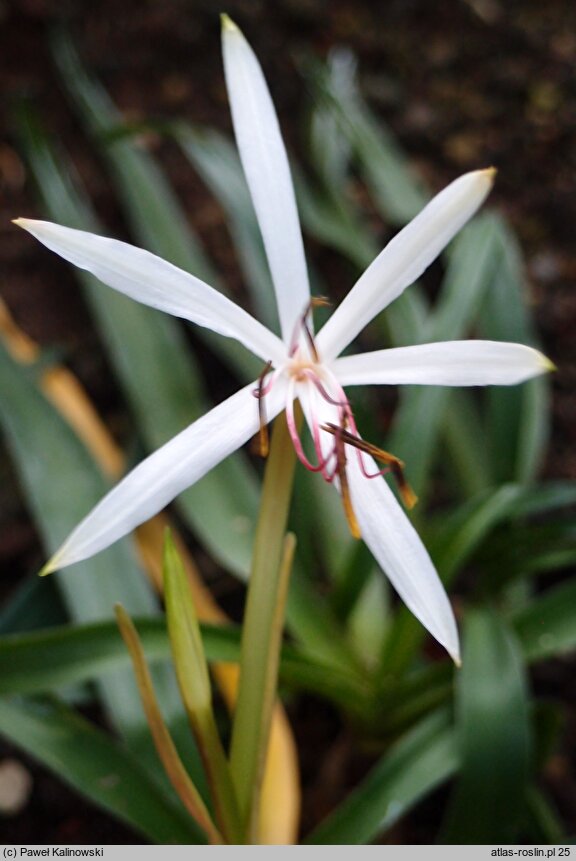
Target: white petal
{"type": "Point", "coordinates": [267, 172]}
{"type": "Point", "coordinates": [389, 534]}
{"type": "Point", "coordinates": [167, 472]}
{"type": "Point", "coordinates": [404, 259]}
{"type": "Point", "coordinates": [397, 548]}
{"type": "Point", "coordinates": [449, 363]}
{"type": "Point", "coordinates": [155, 282]}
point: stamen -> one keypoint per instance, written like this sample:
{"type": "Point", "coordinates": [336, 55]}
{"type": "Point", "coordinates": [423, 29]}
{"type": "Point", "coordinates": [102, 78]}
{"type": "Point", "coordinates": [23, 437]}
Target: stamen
{"type": "Point", "coordinates": [315, 302]}
{"type": "Point", "coordinates": [313, 377]}
{"type": "Point", "coordinates": [302, 325]}
{"type": "Point", "coordinates": [393, 463]}
{"type": "Point", "coordinates": [294, 435]}
{"type": "Point", "coordinates": [343, 478]}
{"type": "Point", "coordinates": [332, 464]}
{"type": "Point", "coordinates": [261, 443]}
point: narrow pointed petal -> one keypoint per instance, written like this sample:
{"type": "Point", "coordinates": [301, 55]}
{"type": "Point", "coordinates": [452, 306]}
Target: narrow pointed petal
{"type": "Point", "coordinates": [167, 472]}
{"type": "Point", "coordinates": [400, 553]}
{"type": "Point", "coordinates": [449, 363]}
{"type": "Point", "coordinates": [388, 533]}
{"type": "Point", "coordinates": [404, 259]}
{"type": "Point", "coordinates": [267, 172]}
{"type": "Point", "coordinates": [149, 279]}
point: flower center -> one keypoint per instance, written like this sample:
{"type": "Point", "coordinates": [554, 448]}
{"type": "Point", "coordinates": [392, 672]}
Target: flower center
{"type": "Point", "coordinates": [321, 394]}
{"type": "Point", "coordinates": [300, 368]}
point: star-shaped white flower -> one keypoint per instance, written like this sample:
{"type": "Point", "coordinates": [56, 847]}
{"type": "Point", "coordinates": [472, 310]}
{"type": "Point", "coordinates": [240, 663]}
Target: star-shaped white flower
{"type": "Point", "coordinates": [298, 365]}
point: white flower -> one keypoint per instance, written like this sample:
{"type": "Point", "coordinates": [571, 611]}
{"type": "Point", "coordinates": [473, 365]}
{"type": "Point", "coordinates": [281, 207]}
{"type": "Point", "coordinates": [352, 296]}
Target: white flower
{"type": "Point", "coordinates": [298, 365]}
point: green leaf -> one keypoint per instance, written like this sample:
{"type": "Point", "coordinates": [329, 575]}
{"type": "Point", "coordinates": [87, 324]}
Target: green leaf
{"type": "Point", "coordinates": [184, 631]}
{"type": "Point", "coordinates": [494, 736]}
{"type": "Point", "coordinates": [153, 206]}
{"type": "Point", "coordinates": [403, 701]}
{"type": "Point", "coordinates": [369, 617]}
{"type": "Point", "coordinates": [46, 452]}
{"type": "Point", "coordinates": [543, 822]}
{"type": "Point", "coordinates": [420, 762]}
{"type": "Point", "coordinates": [466, 442]}
{"type": "Point", "coordinates": [35, 603]}
{"type": "Point", "coordinates": [546, 497]}
{"type": "Point", "coordinates": [329, 149]}
{"type": "Point", "coordinates": [96, 766]}
{"type": "Point", "coordinates": [464, 531]}
{"type": "Point", "coordinates": [397, 192]}
{"type": "Point", "coordinates": [332, 219]}
{"type": "Point", "coordinates": [194, 682]}
{"type": "Point", "coordinates": [547, 626]}
{"type": "Point", "coordinates": [333, 216]}
{"type": "Point", "coordinates": [61, 481]}
{"type": "Point", "coordinates": [518, 417]}
{"type": "Point", "coordinates": [469, 530]}
{"type": "Point", "coordinates": [48, 660]}
{"type": "Point", "coordinates": [165, 748]}
{"type": "Point", "coordinates": [418, 421]}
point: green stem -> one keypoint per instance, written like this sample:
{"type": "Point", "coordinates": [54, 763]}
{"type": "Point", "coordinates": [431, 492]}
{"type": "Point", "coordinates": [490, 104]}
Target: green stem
{"type": "Point", "coordinates": [263, 620]}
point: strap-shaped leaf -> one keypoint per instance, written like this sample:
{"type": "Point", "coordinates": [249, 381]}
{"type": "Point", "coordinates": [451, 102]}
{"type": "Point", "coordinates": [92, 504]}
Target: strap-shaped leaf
{"type": "Point", "coordinates": [48, 660]}
{"type": "Point", "coordinates": [416, 765]}
{"type": "Point", "coordinates": [96, 766]}
{"type": "Point", "coordinates": [45, 450]}
{"type": "Point", "coordinates": [518, 424]}
{"type": "Point", "coordinates": [60, 480]}
{"type": "Point", "coordinates": [396, 191]}
{"type": "Point", "coordinates": [547, 626]}
{"type": "Point", "coordinates": [165, 748]}
{"type": "Point", "coordinates": [418, 422]}
{"type": "Point", "coordinates": [494, 736]}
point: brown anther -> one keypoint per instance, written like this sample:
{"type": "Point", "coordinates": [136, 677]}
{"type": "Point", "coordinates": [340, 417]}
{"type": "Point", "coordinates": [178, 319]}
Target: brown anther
{"type": "Point", "coordinates": [319, 302]}
{"type": "Point", "coordinates": [396, 466]}
{"type": "Point", "coordinates": [344, 487]}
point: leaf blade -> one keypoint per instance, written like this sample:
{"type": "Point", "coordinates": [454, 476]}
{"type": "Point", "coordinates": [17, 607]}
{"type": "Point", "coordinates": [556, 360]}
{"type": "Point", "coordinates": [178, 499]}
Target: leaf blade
{"type": "Point", "coordinates": [95, 766]}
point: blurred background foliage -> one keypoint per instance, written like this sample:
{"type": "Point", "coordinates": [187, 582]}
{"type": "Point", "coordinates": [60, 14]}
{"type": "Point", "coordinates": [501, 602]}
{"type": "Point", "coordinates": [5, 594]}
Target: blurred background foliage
{"type": "Point", "coordinates": [118, 123]}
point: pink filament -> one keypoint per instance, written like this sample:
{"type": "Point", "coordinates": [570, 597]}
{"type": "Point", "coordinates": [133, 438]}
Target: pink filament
{"type": "Point", "coordinates": [328, 464]}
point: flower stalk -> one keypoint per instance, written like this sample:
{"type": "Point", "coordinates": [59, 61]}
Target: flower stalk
{"type": "Point", "coordinates": [262, 628]}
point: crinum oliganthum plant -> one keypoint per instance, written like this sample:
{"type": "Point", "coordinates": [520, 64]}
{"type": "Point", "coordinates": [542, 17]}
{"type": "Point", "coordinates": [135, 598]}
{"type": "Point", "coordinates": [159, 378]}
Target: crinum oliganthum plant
{"type": "Point", "coordinates": [299, 365]}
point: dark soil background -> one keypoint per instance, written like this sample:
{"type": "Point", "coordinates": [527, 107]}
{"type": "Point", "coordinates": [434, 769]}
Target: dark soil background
{"type": "Point", "coordinates": [463, 83]}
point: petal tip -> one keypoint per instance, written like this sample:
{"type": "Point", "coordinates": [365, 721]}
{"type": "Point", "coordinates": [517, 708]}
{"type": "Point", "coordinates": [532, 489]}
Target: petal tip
{"type": "Point", "coordinates": [547, 364]}
{"type": "Point", "coordinates": [487, 177]}
{"type": "Point", "coordinates": [227, 24]}
{"type": "Point", "coordinates": [451, 643]}
{"type": "Point", "coordinates": [55, 562]}
{"type": "Point", "coordinates": [48, 568]}
{"type": "Point", "coordinates": [21, 222]}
